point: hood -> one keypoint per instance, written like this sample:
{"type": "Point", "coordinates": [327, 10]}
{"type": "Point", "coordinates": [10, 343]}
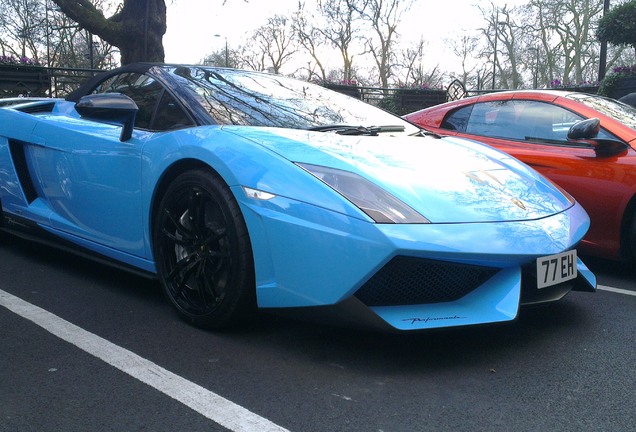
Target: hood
{"type": "Point", "coordinates": [448, 180]}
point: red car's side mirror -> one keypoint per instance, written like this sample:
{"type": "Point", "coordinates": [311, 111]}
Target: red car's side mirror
{"type": "Point", "coordinates": [586, 129]}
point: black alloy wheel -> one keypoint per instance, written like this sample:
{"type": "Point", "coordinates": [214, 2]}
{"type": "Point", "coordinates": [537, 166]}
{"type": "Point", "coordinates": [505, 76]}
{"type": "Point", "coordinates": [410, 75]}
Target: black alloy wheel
{"type": "Point", "coordinates": [203, 253]}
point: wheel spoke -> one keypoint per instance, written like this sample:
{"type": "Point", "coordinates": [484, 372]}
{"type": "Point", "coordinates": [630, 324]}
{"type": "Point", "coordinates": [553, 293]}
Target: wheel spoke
{"type": "Point", "coordinates": [206, 287]}
{"type": "Point", "coordinates": [215, 236]}
{"type": "Point", "coordinates": [184, 241]}
{"type": "Point", "coordinates": [219, 254]}
{"type": "Point", "coordinates": [196, 213]}
{"type": "Point", "coordinates": [198, 276]}
{"type": "Point", "coordinates": [180, 274]}
{"type": "Point", "coordinates": [217, 264]}
{"type": "Point", "coordinates": [181, 229]}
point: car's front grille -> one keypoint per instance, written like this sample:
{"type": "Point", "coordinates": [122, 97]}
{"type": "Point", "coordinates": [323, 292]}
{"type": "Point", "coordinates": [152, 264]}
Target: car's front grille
{"type": "Point", "coordinates": [408, 280]}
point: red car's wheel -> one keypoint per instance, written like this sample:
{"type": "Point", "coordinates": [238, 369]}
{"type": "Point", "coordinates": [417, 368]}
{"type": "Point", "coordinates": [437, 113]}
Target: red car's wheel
{"type": "Point", "coordinates": [631, 241]}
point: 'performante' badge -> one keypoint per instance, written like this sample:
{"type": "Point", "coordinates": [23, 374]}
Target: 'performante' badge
{"type": "Point", "coordinates": [428, 319]}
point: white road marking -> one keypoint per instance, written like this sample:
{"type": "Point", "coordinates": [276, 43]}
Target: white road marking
{"type": "Point", "coordinates": [209, 404]}
{"type": "Point", "coordinates": [214, 407]}
{"type": "Point", "coordinates": [616, 290]}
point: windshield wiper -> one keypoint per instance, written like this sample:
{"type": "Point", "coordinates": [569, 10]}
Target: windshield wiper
{"type": "Point", "coordinates": [343, 129]}
{"type": "Point", "coordinates": [425, 132]}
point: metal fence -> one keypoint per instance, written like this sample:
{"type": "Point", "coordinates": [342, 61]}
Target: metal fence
{"type": "Point", "coordinates": [402, 100]}
{"type": "Point", "coordinates": [58, 82]}
{"type": "Point", "coordinates": [41, 81]}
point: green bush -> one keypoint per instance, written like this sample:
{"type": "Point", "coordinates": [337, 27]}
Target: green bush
{"type": "Point", "coordinates": [618, 25]}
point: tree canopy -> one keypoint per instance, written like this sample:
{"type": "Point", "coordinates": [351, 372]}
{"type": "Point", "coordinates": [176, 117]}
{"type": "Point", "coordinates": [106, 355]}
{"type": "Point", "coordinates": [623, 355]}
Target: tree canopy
{"type": "Point", "coordinates": [618, 25]}
{"type": "Point", "coordinates": [539, 43]}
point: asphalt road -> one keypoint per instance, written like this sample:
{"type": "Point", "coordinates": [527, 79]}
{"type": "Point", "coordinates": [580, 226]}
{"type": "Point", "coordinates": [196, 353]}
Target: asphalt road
{"type": "Point", "coordinates": [84, 347]}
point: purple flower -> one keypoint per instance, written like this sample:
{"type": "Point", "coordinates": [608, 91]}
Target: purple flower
{"type": "Point", "coordinates": [624, 70]}
{"type": "Point", "coordinates": [349, 82]}
{"type": "Point", "coordinates": [10, 60]}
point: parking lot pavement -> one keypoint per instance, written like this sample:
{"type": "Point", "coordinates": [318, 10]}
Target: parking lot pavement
{"type": "Point", "coordinates": [567, 367]}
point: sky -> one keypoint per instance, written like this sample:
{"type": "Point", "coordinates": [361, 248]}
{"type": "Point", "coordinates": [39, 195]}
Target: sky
{"type": "Point", "coordinates": [193, 24]}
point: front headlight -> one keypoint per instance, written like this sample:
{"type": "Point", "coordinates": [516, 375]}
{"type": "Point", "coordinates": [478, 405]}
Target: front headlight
{"type": "Point", "coordinates": [377, 203]}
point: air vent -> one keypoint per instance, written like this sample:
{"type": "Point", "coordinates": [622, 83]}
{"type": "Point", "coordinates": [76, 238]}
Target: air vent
{"type": "Point", "coordinates": [408, 280]}
{"type": "Point", "coordinates": [37, 108]}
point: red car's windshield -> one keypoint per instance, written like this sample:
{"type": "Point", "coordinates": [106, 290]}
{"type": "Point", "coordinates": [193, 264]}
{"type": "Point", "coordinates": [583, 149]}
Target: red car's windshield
{"type": "Point", "coordinates": [619, 111]}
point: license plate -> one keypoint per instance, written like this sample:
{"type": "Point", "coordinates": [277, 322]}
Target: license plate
{"type": "Point", "coordinates": [554, 269]}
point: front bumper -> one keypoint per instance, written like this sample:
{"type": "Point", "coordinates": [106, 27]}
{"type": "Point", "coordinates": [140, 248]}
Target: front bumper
{"type": "Point", "coordinates": [406, 277]}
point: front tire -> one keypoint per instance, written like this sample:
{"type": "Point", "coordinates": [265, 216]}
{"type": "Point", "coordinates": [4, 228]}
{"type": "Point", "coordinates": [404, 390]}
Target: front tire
{"type": "Point", "coordinates": [631, 240]}
{"type": "Point", "coordinates": [203, 252]}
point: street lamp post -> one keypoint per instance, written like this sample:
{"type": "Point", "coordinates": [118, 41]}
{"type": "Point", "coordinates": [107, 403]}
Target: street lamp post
{"type": "Point", "coordinates": [91, 57]}
{"type": "Point", "coordinates": [227, 63]}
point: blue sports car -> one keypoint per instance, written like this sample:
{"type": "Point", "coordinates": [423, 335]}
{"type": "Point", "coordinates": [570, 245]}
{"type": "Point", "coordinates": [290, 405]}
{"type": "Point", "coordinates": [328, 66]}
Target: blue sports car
{"type": "Point", "coordinates": [242, 190]}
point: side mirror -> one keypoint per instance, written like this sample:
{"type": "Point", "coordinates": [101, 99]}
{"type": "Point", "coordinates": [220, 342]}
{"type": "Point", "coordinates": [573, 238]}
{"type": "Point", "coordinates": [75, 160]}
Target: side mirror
{"type": "Point", "coordinates": [609, 147]}
{"type": "Point", "coordinates": [112, 108]}
{"type": "Point", "coordinates": [585, 129]}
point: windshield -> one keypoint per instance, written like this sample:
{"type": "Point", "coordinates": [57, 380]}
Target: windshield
{"type": "Point", "coordinates": [236, 97]}
{"type": "Point", "coordinates": [619, 111]}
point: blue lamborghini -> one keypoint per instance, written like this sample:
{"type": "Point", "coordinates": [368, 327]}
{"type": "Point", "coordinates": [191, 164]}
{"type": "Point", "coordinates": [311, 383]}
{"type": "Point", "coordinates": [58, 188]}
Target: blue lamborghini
{"type": "Point", "coordinates": [241, 190]}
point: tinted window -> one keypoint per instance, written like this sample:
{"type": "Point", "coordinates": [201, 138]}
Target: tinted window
{"type": "Point", "coordinates": [495, 119]}
{"type": "Point", "coordinates": [523, 120]}
{"type": "Point", "coordinates": [169, 115]}
{"type": "Point", "coordinates": [149, 96]}
{"type": "Point", "coordinates": [458, 120]}
{"type": "Point", "coordinates": [144, 90]}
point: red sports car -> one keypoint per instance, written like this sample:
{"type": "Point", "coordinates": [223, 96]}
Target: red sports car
{"type": "Point", "coordinates": [596, 165]}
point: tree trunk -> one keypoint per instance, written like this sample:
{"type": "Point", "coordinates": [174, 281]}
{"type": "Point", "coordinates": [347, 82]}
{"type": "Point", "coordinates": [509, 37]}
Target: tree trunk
{"type": "Point", "coordinates": [137, 28]}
